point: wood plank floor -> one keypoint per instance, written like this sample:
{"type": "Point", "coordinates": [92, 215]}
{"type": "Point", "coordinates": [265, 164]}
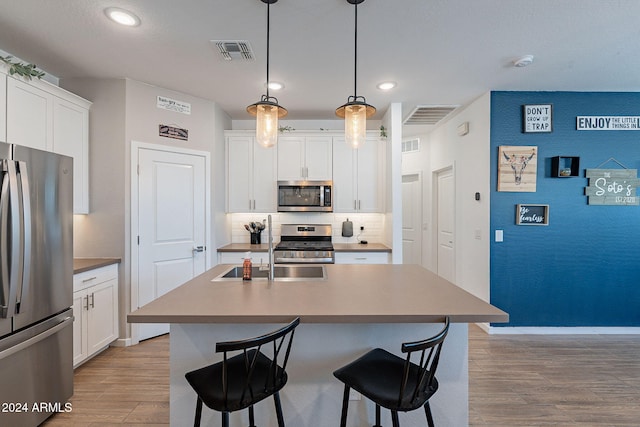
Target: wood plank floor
{"type": "Point", "coordinates": [515, 380]}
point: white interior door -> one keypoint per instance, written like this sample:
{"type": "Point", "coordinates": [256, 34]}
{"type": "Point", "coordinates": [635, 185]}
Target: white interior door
{"type": "Point", "coordinates": [445, 224]}
{"type": "Point", "coordinates": [411, 219]}
{"type": "Point", "coordinates": [171, 225]}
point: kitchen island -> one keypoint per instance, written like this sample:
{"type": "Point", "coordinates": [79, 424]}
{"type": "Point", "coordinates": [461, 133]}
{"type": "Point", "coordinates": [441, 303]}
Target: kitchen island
{"type": "Point", "coordinates": [357, 308]}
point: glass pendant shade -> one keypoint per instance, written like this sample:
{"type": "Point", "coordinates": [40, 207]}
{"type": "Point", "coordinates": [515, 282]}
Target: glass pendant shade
{"type": "Point", "coordinates": [267, 125]}
{"type": "Point", "coordinates": [355, 125]}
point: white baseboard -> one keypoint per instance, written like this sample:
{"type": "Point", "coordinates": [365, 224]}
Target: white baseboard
{"type": "Point", "coordinates": [122, 342]}
{"type": "Point", "coordinates": [561, 330]}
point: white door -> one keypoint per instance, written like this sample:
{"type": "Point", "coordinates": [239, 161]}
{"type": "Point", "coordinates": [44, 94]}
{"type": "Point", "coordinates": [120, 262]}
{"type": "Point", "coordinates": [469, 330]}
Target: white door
{"type": "Point", "coordinates": [445, 224]}
{"type": "Point", "coordinates": [171, 225]}
{"type": "Point", "coordinates": [411, 219]}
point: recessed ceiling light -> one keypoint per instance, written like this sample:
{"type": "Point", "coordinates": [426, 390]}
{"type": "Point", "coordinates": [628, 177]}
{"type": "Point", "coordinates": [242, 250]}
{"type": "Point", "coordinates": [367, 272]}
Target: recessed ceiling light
{"type": "Point", "coordinates": [523, 61]}
{"type": "Point", "coordinates": [122, 17]}
{"type": "Point", "coordinates": [274, 85]}
{"type": "Point", "coordinates": [386, 85]}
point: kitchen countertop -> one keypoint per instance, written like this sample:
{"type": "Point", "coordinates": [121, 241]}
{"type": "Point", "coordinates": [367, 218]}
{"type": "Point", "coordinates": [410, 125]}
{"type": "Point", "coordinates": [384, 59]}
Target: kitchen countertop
{"type": "Point", "coordinates": [338, 247]}
{"type": "Point", "coordinates": [351, 294]}
{"type": "Point", "coordinates": [80, 265]}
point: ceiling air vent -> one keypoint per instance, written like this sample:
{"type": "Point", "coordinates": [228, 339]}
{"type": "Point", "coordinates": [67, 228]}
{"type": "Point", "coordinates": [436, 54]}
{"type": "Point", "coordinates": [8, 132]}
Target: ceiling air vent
{"type": "Point", "coordinates": [429, 114]}
{"type": "Point", "coordinates": [232, 50]}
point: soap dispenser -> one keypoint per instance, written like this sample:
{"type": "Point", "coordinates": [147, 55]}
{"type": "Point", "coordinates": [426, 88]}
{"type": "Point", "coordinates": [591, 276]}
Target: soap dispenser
{"type": "Point", "coordinates": [246, 267]}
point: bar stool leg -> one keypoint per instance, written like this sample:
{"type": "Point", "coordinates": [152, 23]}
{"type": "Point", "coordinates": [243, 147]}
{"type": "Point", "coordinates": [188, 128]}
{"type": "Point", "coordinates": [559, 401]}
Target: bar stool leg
{"type": "Point", "coordinates": [345, 406]}
{"type": "Point", "coordinates": [394, 419]}
{"type": "Point", "coordinates": [427, 411]}
{"type": "Point", "coordinates": [252, 422]}
{"type": "Point", "coordinates": [225, 419]}
{"type": "Point", "coordinates": [276, 398]}
{"type": "Point", "coordinates": [377, 416]}
{"type": "Point", "coordinates": [196, 421]}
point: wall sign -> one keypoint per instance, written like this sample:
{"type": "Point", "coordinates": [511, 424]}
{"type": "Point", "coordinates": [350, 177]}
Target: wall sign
{"type": "Point", "coordinates": [612, 187]}
{"type": "Point", "coordinates": [173, 105]}
{"type": "Point", "coordinates": [537, 118]}
{"type": "Point", "coordinates": [517, 168]}
{"type": "Point", "coordinates": [532, 214]}
{"type": "Point", "coordinates": [608, 123]}
{"type": "Point", "coordinates": [173, 132]}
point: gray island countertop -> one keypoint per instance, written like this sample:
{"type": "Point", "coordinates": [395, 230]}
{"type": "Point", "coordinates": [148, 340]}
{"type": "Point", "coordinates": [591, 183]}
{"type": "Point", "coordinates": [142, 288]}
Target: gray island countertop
{"type": "Point", "coordinates": [386, 293]}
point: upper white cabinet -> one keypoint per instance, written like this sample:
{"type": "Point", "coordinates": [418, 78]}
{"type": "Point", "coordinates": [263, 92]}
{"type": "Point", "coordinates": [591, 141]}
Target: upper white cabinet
{"type": "Point", "coordinates": [3, 107]}
{"type": "Point", "coordinates": [71, 138]}
{"type": "Point", "coordinates": [44, 116]}
{"type": "Point", "coordinates": [358, 176]}
{"type": "Point", "coordinates": [29, 115]}
{"type": "Point", "coordinates": [251, 175]}
{"type": "Point", "coordinates": [305, 158]}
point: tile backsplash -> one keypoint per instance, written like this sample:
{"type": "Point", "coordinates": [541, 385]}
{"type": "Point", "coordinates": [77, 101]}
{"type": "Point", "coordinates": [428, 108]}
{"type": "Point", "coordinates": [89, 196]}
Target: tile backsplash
{"type": "Point", "coordinates": [373, 225]}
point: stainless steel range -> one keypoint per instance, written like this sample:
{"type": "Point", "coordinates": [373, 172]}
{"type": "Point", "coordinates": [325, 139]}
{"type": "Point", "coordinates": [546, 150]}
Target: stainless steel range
{"type": "Point", "coordinates": [304, 243]}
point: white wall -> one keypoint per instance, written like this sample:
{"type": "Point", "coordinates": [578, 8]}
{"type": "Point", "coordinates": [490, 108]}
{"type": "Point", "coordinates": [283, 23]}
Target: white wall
{"type": "Point", "coordinates": [469, 156]}
{"type": "Point", "coordinates": [125, 111]}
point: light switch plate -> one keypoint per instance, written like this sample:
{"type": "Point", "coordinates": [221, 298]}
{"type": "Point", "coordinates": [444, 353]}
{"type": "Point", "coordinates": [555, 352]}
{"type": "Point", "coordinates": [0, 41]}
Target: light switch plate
{"type": "Point", "coordinates": [499, 236]}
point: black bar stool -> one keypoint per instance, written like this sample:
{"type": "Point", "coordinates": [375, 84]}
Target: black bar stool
{"type": "Point", "coordinates": [392, 382]}
{"type": "Point", "coordinates": [240, 381]}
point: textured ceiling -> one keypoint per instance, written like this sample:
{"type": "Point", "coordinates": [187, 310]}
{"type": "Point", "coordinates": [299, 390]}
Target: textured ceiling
{"type": "Point", "coordinates": [440, 52]}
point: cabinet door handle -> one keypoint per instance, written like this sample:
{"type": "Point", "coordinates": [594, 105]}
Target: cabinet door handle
{"type": "Point", "coordinates": [86, 303]}
{"type": "Point", "coordinates": [358, 204]}
{"type": "Point", "coordinates": [355, 205]}
{"type": "Point", "coordinates": [92, 300]}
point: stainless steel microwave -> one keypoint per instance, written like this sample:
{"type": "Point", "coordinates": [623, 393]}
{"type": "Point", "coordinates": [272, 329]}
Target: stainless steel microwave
{"type": "Point", "coordinates": [305, 196]}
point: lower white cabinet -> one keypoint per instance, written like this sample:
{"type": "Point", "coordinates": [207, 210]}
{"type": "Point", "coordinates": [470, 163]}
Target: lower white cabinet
{"type": "Point", "coordinates": [95, 308]}
{"type": "Point", "coordinates": [362, 257]}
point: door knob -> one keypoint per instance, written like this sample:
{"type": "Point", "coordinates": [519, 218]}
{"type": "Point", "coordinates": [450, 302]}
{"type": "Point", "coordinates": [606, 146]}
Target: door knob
{"type": "Point", "coordinates": [198, 249]}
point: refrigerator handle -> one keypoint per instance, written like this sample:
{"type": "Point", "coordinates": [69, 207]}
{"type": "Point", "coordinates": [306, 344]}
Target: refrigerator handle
{"type": "Point", "coordinates": [25, 237]}
{"type": "Point", "coordinates": [4, 238]}
{"type": "Point", "coordinates": [10, 271]}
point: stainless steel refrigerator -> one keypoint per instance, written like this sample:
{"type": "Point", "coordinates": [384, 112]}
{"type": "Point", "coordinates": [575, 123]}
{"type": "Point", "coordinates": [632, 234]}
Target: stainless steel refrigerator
{"type": "Point", "coordinates": [36, 278]}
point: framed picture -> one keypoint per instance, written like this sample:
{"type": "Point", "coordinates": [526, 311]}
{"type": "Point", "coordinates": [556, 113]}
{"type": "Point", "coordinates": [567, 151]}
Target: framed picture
{"type": "Point", "coordinates": [532, 214]}
{"type": "Point", "coordinates": [517, 168]}
{"type": "Point", "coordinates": [537, 118]}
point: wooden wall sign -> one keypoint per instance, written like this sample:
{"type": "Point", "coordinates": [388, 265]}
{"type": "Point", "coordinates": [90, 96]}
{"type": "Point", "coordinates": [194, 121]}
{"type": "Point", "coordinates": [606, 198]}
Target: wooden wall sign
{"type": "Point", "coordinates": [517, 168]}
{"type": "Point", "coordinates": [532, 214]}
{"type": "Point", "coordinates": [173, 132]}
{"type": "Point", "coordinates": [612, 187]}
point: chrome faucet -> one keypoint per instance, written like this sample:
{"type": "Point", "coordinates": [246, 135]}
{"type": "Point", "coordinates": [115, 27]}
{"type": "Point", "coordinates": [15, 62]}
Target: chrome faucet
{"type": "Point", "coordinates": [271, 268]}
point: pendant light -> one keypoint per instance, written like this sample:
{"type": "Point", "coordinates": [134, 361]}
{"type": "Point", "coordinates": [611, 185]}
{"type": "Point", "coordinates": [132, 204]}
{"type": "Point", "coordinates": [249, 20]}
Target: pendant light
{"type": "Point", "coordinates": [267, 111]}
{"type": "Point", "coordinates": [356, 110]}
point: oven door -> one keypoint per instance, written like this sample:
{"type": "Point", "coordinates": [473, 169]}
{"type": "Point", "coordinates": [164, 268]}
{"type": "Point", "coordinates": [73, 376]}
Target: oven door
{"type": "Point", "coordinates": [305, 196]}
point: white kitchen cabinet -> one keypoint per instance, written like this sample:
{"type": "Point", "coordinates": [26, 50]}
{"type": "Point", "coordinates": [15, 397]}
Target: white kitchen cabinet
{"type": "Point", "coordinates": [3, 107]}
{"type": "Point", "coordinates": [95, 310]}
{"type": "Point", "coordinates": [238, 257]}
{"type": "Point", "coordinates": [362, 257]}
{"type": "Point", "coordinates": [305, 158]}
{"type": "Point", "coordinates": [251, 175]}
{"type": "Point", "coordinates": [29, 115]}
{"type": "Point", "coordinates": [358, 176]}
{"type": "Point", "coordinates": [46, 117]}
{"type": "Point", "coordinates": [71, 138]}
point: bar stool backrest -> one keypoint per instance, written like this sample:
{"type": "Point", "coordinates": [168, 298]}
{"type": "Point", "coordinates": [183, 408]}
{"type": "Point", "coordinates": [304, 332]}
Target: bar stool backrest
{"type": "Point", "coordinates": [252, 350]}
{"type": "Point", "coordinates": [421, 381]}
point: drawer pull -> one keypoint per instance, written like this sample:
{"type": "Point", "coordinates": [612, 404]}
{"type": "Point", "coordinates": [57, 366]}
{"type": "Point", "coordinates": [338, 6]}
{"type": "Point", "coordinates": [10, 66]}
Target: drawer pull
{"type": "Point", "coordinates": [89, 279]}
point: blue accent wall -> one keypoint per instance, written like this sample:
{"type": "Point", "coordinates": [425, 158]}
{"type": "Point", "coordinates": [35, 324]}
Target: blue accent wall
{"type": "Point", "coordinates": [583, 269]}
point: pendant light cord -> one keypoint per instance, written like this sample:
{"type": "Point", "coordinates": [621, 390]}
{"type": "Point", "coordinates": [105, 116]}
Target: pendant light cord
{"type": "Point", "coordinates": [268, 31]}
{"type": "Point", "coordinates": [355, 56]}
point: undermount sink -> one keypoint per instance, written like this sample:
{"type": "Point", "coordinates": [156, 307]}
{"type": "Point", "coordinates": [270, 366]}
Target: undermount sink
{"type": "Point", "coordinates": [280, 272]}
